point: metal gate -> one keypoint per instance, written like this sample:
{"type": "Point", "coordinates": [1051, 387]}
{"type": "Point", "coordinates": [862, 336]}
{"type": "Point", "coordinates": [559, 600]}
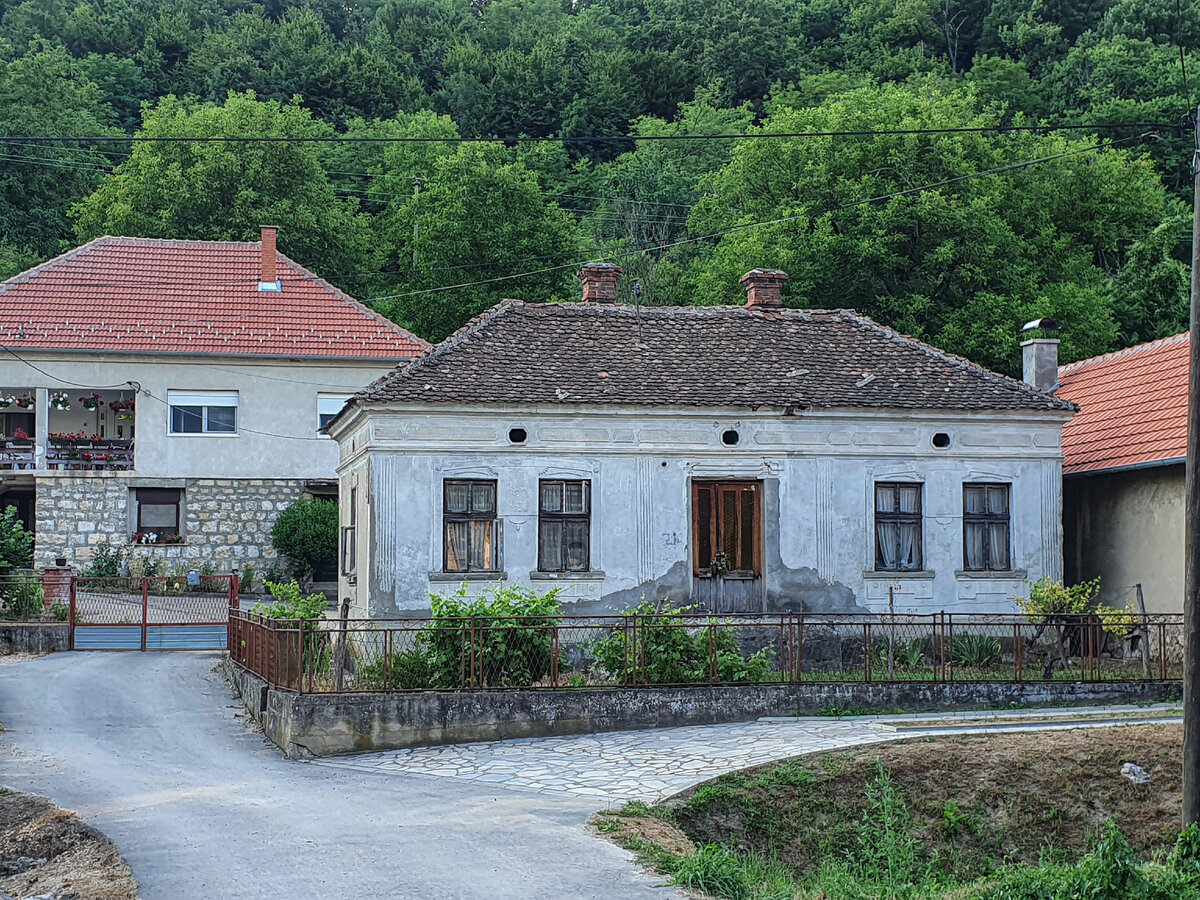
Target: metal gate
{"type": "Point", "coordinates": [164, 613]}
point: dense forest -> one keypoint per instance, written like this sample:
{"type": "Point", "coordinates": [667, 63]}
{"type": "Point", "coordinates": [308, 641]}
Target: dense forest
{"type": "Point", "coordinates": [942, 231]}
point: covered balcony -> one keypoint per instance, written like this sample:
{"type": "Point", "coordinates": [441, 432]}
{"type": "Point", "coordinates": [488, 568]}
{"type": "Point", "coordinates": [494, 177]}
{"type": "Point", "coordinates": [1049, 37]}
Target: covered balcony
{"type": "Point", "coordinates": [52, 429]}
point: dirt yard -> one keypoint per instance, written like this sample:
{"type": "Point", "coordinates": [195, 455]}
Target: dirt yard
{"type": "Point", "coordinates": [47, 850]}
{"type": "Point", "coordinates": [977, 800]}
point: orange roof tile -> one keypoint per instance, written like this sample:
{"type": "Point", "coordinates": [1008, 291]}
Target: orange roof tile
{"type": "Point", "coordinates": [144, 295]}
{"type": "Point", "coordinates": [1133, 407]}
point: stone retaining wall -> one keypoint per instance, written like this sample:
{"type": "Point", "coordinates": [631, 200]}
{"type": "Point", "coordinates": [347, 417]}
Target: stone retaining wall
{"type": "Point", "coordinates": [332, 724]}
{"type": "Point", "coordinates": [226, 521]}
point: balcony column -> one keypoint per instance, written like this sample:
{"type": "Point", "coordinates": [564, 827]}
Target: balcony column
{"type": "Point", "coordinates": [41, 426]}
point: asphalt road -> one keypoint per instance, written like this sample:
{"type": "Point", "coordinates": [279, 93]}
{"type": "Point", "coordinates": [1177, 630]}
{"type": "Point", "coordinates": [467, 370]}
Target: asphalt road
{"type": "Point", "coordinates": [149, 748]}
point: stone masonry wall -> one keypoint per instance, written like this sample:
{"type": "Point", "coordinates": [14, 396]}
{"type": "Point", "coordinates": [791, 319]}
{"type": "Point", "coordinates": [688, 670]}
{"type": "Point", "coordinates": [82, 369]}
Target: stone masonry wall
{"type": "Point", "coordinates": [227, 522]}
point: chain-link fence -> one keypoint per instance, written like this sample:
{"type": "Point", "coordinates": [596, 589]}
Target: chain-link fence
{"type": "Point", "coordinates": [455, 654]}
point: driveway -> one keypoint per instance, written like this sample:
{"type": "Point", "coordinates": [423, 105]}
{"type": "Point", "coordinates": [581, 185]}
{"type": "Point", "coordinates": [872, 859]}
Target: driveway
{"type": "Point", "coordinates": [150, 749]}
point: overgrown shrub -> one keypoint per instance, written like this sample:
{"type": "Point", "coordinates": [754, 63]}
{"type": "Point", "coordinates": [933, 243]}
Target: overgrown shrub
{"type": "Point", "coordinates": [108, 560]}
{"type": "Point", "coordinates": [975, 650]}
{"type": "Point", "coordinates": [291, 603]}
{"type": "Point", "coordinates": [669, 651]}
{"type": "Point", "coordinates": [246, 579]}
{"type": "Point", "coordinates": [307, 534]}
{"type": "Point", "coordinates": [60, 612]}
{"type": "Point", "coordinates": [509, 649]}
{"type": "Point", "coordinates": [16, 544]}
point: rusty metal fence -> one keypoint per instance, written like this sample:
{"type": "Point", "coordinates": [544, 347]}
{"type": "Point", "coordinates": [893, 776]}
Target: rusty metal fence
{"type": "Point", "coordinates": [22, 598]}
{"type": "Point", "coordinates": [447, 654]}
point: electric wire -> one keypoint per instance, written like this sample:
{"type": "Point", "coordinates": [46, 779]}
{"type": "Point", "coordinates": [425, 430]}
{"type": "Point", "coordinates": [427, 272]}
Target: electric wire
{"type": "Point", "coordinates": [572, 139]}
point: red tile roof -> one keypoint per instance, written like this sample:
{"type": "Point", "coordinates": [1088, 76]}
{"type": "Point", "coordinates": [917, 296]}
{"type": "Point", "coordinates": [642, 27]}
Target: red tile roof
{"type": "Point", "coordinates": [143, 295]}
{"type": "Point", "coordinates": [1133, 407]}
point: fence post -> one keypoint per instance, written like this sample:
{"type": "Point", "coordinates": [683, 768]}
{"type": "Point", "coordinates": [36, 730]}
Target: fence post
{"type": "Point", "coordinates": [868, 650]}
{"type": "Point", "coordinates": [1145, 633]}
{"type": "Point", "coordinates": [339, 655]}
{"type": "Point", "coordinates": [891, 657]}
{"type": "Point", "coordinates": [145, 608]}
{"type": "Point", "coordinates": [71, 616]}
{"type": "Point", "coordinates": [800, 650]}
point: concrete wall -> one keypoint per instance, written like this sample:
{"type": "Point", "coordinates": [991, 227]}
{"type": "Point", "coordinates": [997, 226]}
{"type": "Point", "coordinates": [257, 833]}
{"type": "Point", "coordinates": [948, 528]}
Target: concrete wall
{"type": "Point", "coordinates": [817, 470]}
{"type": "Point", "coordinates": [234, 484]}
{"type": "Point", "coordinates": [227, 521]}
{"type": "Point", "coordinates": [34, 637]}
{"type": "Point", "coordinates": [277, 408]}
{"type": "Point", "coordinates": [331, 724]}
{"type": "Point", "coordinates": [1127, 528]}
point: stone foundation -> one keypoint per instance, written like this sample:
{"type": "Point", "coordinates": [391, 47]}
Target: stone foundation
{"type": "Point", "coordinates": [227, 522]}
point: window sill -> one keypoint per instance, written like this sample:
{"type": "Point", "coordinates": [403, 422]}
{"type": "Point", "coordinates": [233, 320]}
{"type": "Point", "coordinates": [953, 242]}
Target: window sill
{"type": "Point", "coordinates": [590, 575]}
{"type": "Point", "coordinates": [460, 577]}
{"type": "Point", "coordinates": [1004, 575]}
{"type": "Point", "coordinates": [888, 575]}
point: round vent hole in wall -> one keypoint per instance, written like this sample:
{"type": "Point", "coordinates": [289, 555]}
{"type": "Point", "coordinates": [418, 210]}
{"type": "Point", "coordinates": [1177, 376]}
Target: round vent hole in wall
{"type": "Point", "coordinates": [941, 440]}
{"type": "Point", "coordinates": [730, 438]}
{"type": "Point", "coordinates": [517, 435]}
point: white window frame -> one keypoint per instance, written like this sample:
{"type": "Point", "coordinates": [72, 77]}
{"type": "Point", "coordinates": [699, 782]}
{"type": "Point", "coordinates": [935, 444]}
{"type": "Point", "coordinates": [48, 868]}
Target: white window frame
{"type": "Point", "coordinates": [206, 400]}
{"type": "Point", "coordinates": [329, 405]}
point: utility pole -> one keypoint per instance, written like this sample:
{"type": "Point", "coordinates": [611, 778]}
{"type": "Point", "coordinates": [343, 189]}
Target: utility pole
{"type": "Point", "coordinates": [1191, 595]}
{"type": "Point", "coordinates": [416, 226]}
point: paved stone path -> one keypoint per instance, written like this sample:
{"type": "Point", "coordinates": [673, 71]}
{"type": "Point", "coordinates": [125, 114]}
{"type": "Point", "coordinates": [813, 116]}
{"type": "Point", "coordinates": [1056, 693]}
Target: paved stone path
{"type": "Point", "coordinates": [650, 765]}
{"type": "Point", "coordinates": [622, 765]}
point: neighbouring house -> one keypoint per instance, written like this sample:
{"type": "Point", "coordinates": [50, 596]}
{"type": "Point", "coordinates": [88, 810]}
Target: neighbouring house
{"type": "Point", "coordinates": [170, 393]}
{"type": "Point", "coordinates": [746, 458]}
{"type": "Point", "coordinates": [1123, 470]}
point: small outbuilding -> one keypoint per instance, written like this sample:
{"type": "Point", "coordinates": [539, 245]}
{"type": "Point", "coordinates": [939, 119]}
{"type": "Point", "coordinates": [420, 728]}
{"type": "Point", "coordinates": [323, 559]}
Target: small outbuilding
{"type": "Point", "coordinates": [1123, 466]}
{"type": "Point", "coordinates": [744, 458]}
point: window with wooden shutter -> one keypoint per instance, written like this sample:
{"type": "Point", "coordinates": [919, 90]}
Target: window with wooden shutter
{"type": "Point", "coordinates": [470, 535]}
{"type": "Point", "coordinates": [726, 527]}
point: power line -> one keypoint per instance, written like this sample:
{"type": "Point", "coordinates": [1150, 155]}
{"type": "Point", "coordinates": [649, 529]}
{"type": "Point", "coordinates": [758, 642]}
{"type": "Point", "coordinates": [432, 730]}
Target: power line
{"type": "Point", "coordinates": [600, 138]}
{"type": "Point", "coordinates": [750, 225]}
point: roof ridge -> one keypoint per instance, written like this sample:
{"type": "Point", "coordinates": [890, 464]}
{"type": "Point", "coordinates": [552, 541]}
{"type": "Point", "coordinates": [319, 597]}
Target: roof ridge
{"type": "Point", "coordinates": [357, 305]}
{"type": "Point", "coordinates": [28, 274]}
{"type": "Point", "coordinates": [1123, 352]}
{"type": "Point", "coordinates": [954, 359]}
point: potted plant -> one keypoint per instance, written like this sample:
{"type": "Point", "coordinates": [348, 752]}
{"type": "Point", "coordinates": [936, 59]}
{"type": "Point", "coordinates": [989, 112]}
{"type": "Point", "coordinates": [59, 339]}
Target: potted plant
{"type": "Point", "coordinates": [6, 402]}
{"type": "Point", "coordinates": [25, 401]}
{"type": "Point", "coordinates": [60, 400]}
{"type": "Point", "coordinates": [92, 402]}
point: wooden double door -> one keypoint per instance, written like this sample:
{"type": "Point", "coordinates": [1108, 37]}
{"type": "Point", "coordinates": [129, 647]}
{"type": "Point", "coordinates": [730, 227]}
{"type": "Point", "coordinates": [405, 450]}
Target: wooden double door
{"type": "Point", "coordinates": [727, 549]}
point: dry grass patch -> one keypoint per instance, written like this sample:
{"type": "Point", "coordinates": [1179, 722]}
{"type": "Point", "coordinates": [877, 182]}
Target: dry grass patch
{"type": "Point", "coordinates": [48, 850]}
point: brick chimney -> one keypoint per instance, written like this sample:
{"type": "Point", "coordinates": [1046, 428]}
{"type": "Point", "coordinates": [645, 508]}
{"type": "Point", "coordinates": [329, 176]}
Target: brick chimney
{"type": "Point", "coordinates": [1039, 356]}
{"type": "Point", "coordinates": [268, 279]}
{"type": "Point", "coordinates": [600, 282]}
{"type": "Point", "coordinates": [763, 287]}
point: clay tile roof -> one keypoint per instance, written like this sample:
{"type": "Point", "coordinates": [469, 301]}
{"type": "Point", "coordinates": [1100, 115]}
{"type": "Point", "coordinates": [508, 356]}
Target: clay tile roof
{"type": "Point", "coordinates": [138, 294]}
{"type": "Point", "coordinates": [714, 356]}
{"type": "Point", "coordinates": [1133, 407]}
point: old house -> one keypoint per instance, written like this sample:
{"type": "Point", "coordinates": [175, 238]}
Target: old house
{"type": "Point", "coordinates": [1123, 470]}
{"type": "Point", "coordinates": [170, 394]}
{"type": "Point", "coordinates": [745, 457]}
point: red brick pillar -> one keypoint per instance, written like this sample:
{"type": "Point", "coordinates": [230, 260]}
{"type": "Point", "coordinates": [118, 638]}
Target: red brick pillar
{"type": "Point", "coordinates": [56, 586]}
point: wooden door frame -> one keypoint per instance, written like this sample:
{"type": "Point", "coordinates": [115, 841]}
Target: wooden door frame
{"type": "Point", "coordinates": [693, 538]}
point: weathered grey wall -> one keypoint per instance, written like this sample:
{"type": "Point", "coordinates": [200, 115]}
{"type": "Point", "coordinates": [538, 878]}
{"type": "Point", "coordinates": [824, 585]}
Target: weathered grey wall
{"type": "Point", "coordinates": [1127, 528]}
{"type": "Point", "coordinates": [227, 521]}
{"type": "Point", "coordinates": [331, 724]}
{"type": "Point", "coordinates": [817, 470]}
{"type": "Point", "coordinates": [34, 637]}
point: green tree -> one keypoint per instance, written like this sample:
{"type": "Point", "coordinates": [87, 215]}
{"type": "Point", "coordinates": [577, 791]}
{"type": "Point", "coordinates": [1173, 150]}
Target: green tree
{"type": "Point", "coordinates": [47, 95]}
{"type": "Point", "coordinates": [307, 534]}
{"type": "Point", "coordinates": [482, 216]}
{"type": "Point", "coordinates": [225, 191]}
{"type": "Point", "coordinates": [961, 265]}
